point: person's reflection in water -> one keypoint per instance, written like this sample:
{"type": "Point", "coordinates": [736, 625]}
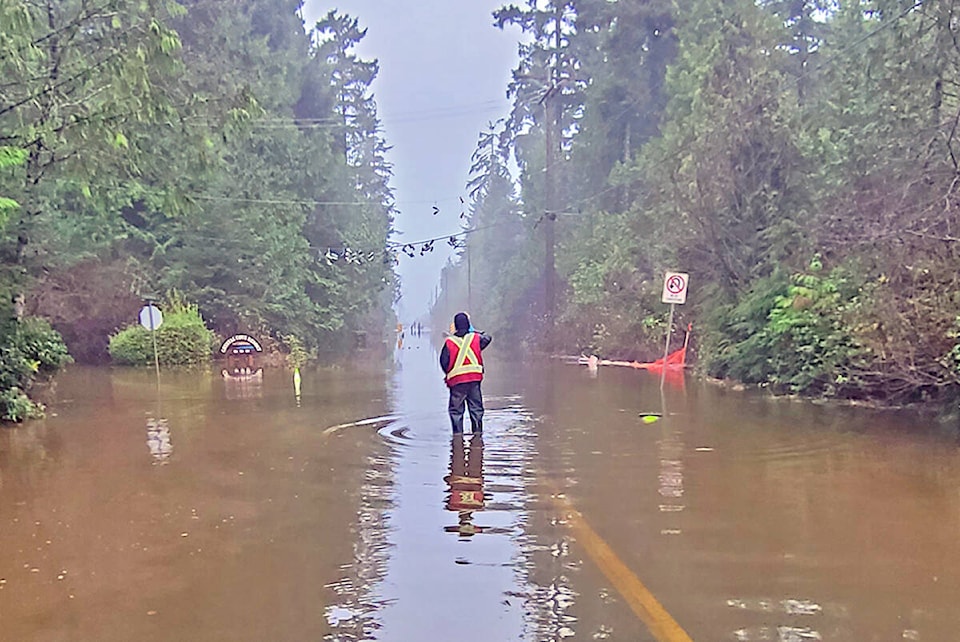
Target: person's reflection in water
{"type": "Point", "coordinates": [465, 484]}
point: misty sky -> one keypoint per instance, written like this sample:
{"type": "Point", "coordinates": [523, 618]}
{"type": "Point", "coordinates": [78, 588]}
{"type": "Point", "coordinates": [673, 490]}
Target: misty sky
{"type": "Point", "coordinates": [444, 70]}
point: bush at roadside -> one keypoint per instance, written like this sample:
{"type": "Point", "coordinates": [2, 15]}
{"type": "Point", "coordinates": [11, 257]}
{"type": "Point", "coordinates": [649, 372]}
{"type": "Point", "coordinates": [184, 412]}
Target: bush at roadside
{"type": "Point", "coordinates": [791, 333]}
{"type": "Point", "coordinates": [29, 349]}
{"type": "Point", "coordinates": [182, 339]}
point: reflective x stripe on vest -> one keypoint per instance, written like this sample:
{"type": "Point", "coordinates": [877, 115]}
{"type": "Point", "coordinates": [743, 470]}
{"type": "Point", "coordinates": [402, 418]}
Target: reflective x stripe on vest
{"type": "Point", "coordinates": [467, 362]}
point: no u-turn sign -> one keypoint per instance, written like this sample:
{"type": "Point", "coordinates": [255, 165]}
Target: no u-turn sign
{"type": "Point", "coordinates": [675, 287]}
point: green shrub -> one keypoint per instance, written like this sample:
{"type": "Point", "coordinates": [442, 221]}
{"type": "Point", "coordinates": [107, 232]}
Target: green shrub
{"type": "Point", "coordinates": [788, 332]}
{"type": "Point", "coordinates": [40, 343]}
{"type": "Point", "coordinates": [132, 346]}
{"type": "Point", "coordinates": [29, 348]}
{"type": "Point", "coordinates": [298, 355]}
{"type": "Point", "coordinates": [815, 347]}
{"type": "Point", "coordinates": [182, 338]}
{"type": "Point", "coordinates": [952, 358]}
{"type": "Point", "coordinates": [17, 406]}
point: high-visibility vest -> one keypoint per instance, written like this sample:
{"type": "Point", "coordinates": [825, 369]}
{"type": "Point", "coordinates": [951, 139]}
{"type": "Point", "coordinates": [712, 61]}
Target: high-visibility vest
{"type": "Point", "coordinates": [466, 360]}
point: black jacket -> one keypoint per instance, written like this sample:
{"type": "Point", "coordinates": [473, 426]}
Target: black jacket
{"type": "Point", "coordinates": [485, 340]}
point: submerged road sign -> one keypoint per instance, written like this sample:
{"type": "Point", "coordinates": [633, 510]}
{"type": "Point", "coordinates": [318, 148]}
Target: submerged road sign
{"type": "Point", "coordinates": [150, 317]}
{"type": "Point", "coordinates": [675, 287]}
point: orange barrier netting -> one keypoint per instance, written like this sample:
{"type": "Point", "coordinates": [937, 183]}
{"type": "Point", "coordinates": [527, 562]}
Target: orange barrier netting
{"type": "Point", "coordinates": [676, 359]}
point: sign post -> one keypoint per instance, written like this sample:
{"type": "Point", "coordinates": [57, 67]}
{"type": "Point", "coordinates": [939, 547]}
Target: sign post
{"type": "Point", "coordinates": [151, 318]}
{"type": "Point", "coordinates": [674, 292]}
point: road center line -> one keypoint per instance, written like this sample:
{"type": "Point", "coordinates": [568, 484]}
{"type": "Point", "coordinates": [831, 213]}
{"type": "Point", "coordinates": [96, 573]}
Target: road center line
{"type": "Point", "coordinates": [641, 600]}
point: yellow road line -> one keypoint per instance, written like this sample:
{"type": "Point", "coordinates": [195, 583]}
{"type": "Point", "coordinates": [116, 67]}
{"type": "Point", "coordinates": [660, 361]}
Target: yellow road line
{"type": "Point", "coordinates": [641, 600]}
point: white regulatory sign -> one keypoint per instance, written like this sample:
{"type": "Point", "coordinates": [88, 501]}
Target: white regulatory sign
{"type": "Point", "coordinates": [150, 317]}
{"type": "Point", "coordinates": [675, 287]}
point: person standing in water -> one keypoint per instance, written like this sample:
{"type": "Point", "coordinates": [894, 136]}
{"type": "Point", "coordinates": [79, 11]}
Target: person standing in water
{"type": "Point", "coordinates": [461, 360]}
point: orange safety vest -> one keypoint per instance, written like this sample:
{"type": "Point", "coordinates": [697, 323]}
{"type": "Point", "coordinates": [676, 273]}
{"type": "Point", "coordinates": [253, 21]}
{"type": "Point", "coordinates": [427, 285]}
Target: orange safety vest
{"type": "Point", "coordinates": [466, 360]}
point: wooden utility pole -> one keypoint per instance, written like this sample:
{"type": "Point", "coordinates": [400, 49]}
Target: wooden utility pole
{"type": "Point", "coordinates": [552, 130]}
{"type": "Point", "coordinates": [549, 223]}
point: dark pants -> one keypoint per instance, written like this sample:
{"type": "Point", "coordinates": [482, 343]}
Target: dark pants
{"type": "Point", "coordinates": [469, 392]}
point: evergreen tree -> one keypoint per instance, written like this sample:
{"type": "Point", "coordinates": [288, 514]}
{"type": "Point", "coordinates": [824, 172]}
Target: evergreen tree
{"type": "Point", "coordinates": [724, 177]}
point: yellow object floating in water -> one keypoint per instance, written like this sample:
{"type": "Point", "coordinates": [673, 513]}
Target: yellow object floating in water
{"type": "Point", "coordinates": [649, 419]}
{"type": "Point", "coordinates": [296, 385]}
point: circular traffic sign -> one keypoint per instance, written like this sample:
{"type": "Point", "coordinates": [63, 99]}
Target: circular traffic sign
{"type": "Point", "coordinates": [676, 284]}
{"type": "Point", "coordinates": [150, 317]}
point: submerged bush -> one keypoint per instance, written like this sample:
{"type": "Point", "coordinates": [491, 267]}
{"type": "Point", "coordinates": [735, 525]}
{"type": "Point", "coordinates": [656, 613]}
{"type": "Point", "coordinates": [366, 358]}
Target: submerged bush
{"type": "Point", "coordinates": [182, 339]}
{"type": "Point", "coordinates": [29, 349]}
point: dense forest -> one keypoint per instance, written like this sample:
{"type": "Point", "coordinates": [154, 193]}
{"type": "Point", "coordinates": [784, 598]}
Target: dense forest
{"type": "Point", "coordinates": [798, 158]}
{"type": "Point", "coordinates": [213, 149]}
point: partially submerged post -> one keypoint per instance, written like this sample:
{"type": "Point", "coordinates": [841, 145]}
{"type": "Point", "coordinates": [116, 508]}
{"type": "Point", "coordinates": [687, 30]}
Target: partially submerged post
{"type": "Point", "coordinates": [674, 292]}
{"type": "Point", "coordinates": [151, 318]}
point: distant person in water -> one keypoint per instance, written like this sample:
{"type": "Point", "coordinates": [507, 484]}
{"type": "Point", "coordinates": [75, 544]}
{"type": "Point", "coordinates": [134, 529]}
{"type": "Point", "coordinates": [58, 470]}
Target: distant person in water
{"type": "Point", "coordinates": [462, 361]}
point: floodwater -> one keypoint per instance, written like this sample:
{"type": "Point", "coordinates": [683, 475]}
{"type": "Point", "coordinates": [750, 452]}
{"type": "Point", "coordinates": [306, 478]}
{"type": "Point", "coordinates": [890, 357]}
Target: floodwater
{"type": "Point", "coordinates": [224, 509]}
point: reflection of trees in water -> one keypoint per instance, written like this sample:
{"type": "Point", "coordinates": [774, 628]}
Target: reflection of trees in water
{"type": "Point", "coordinates": [548, 570]}
{"type": "Point", "coordinates": [670, 478]}
{"type": "Point", "coordinates": [496, 475]}
{"type": "Point", "coordinates": [158, 440]}
{"type": "Point", "coordinates": [354, 615]}
{"type": "Point", "coordinates": [26, 452]}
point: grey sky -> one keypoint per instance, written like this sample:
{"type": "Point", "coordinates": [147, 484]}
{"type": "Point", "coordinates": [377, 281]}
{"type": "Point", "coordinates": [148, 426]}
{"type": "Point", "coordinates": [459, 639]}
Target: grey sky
{"type": "Point", "coordinates": [444, 70]}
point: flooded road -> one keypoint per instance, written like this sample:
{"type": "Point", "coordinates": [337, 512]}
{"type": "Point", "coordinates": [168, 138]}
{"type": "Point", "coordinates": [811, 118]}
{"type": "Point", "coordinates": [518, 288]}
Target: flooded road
{"type": "Point", "coordinates": [215, 509]}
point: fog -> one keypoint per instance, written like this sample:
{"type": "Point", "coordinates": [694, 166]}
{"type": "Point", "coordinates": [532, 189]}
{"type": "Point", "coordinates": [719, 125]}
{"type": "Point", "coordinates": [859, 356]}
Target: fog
{"type": "Point", "coordinates": [444, 70]}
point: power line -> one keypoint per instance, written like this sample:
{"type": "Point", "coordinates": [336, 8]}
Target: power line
{"type": "Point", "coordinates": [313, 202]}
{"type": "Point", "coordinates": [268, 201]}
{"type": "Point", "coordinates": [336, 122]}
{"type": "Point", "coordinates": [396, 244]}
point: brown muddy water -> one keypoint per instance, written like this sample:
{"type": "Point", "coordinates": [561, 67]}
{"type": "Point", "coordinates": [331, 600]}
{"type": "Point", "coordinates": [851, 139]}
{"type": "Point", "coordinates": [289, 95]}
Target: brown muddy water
{"type": "Point", "coordinates": [213, 509]}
